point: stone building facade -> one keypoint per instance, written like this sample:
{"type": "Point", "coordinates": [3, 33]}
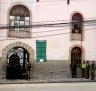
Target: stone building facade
{"type": "Point", "coordinates": [50, 34]}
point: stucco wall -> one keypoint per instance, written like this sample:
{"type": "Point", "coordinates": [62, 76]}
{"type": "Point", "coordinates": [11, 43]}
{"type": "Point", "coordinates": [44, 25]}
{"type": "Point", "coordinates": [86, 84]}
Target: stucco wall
{"type": "Point", "coordinates": [57, 45]}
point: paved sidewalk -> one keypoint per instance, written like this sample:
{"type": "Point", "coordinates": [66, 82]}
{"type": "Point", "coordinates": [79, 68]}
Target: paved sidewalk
{"type": "Point", "coordinates": [51, 80]}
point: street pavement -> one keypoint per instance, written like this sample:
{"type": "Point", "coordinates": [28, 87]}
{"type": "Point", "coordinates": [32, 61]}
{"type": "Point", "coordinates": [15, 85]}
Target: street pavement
{"type": "Point", "coordinates": [50, 87]}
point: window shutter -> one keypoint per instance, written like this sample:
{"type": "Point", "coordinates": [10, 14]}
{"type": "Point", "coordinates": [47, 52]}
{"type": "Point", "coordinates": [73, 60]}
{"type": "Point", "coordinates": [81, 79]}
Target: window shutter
{"type": "Point", "coordinates": [41, 51]}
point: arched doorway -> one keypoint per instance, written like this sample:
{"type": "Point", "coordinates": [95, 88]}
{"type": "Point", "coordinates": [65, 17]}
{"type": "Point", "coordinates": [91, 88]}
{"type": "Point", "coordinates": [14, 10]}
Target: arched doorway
{"type": "Point", "coordinates": [76, 55]}
{"type": "Point", "coordinates": [16, 59]}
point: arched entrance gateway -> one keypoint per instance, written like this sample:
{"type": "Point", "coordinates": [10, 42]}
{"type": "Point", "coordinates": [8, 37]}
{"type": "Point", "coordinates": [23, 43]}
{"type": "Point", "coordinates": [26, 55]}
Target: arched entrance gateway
{"type": "Point", "coordinates": [16, 59]}
{"type": "Point", "coordinates": [76, 55]}
{"type": "Point", "coordinates": [15, 56]}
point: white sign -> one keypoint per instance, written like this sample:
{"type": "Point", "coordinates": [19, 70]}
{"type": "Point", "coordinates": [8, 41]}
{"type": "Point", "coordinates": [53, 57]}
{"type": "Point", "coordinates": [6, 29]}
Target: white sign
{"type": "Point", "coordinates": [41, 60]}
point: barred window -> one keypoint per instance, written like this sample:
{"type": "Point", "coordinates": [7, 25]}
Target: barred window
{"type": "Point", "coordinates": [19, 18]}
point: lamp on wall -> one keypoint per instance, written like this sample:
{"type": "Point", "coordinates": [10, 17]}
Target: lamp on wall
{"type": "Point", "coordinates": [68, 1]}
{"type": "Point", "coordinates": [37, 0]}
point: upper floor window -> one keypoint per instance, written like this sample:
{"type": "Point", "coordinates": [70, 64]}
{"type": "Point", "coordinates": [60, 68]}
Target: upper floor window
{"type": "Point", "coordinates": [19, 20]}
{"type": "Point", "coordinates": [77, 23]}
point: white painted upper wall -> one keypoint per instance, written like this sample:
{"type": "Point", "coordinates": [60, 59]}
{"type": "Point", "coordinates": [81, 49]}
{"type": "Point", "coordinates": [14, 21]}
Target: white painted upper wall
{"type": "Point", "coordinates": [58, 11]}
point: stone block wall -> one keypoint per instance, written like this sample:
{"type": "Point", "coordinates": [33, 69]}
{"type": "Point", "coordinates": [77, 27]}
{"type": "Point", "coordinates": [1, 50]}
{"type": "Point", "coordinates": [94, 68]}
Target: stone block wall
{"type": "Point", "coordinates": [51, 68]}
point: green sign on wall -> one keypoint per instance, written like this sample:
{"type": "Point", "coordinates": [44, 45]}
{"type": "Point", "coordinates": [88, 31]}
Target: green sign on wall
{"type": "Point", "coordinates": [41, 50]}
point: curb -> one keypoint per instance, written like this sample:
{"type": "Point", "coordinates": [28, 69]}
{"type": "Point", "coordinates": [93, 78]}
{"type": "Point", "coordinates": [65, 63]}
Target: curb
{"type": "Point", "coordinates": [43, 81]}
